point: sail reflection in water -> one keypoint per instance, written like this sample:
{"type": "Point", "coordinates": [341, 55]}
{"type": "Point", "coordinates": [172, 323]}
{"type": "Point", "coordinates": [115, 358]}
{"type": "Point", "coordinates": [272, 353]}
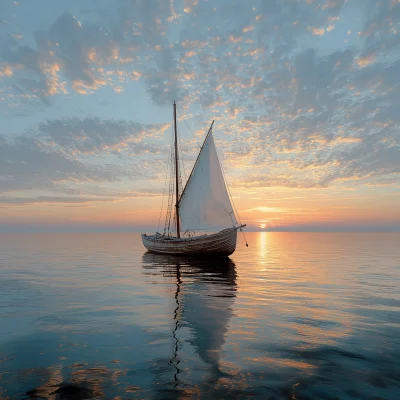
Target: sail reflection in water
{"type": "Point", "coordinates": [204, 292]}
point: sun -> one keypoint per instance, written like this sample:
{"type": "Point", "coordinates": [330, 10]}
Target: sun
{"type": "Point", "coordinates": [262, 226]}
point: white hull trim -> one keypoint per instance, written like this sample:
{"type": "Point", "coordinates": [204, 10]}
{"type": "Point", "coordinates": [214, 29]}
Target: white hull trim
{"type": "Point", "coordinates": [222, 243]}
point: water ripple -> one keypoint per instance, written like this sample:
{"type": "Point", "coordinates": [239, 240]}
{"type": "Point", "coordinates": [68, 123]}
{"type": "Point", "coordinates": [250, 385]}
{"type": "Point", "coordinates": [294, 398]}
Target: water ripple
{"type": "Point", "coordinates": [293, 316]}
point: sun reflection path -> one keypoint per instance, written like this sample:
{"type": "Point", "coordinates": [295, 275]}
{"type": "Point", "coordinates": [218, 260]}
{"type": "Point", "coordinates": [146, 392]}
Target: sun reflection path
{"type": "Point", "coordinates": [262, 247]}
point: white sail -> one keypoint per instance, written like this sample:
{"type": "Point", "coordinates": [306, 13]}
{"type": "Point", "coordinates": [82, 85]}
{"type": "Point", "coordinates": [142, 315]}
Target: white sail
{"type": "Point", "coordinates": [205, 203]}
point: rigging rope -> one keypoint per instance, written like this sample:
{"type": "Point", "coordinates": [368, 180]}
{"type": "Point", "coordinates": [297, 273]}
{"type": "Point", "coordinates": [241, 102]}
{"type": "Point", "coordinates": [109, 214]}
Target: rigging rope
{"type": "Point", "coordinates": [167, 228]}
{"type": "Point", "coordinates": [184, 120]}
{"type": "Point", "coordinates": [165, 187]}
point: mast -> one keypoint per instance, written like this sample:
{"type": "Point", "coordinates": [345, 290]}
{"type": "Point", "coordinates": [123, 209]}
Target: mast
{"type": "Point", "coordinates": [178, 233]}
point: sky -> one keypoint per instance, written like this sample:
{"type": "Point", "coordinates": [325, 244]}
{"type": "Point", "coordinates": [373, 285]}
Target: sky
{"type": "Point", "coordinates": [305, 95]}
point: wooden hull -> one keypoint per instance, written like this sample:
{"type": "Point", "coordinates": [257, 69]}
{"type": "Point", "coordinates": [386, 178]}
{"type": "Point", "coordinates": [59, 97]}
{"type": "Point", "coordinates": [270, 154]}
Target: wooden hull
{"type": "Point", "coordinates": [222, 243]}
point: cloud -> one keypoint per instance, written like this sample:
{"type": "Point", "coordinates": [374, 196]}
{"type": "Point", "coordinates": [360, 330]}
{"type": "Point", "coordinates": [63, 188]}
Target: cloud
{"type": "Point", "coordinates": [49, 199]}
{"type": "Point", "coordinates": [26, 164]}
{"type": "Point", "coordinates": [98, 136]}
{"type": "Point", "coordinates": [318, 31]}
{"type": "Point", "coordinates": [266, 209]}
{"type": "Point", "coordinates": [380, 30]}
{"type": "Point", "coordinates": [79, 55]}
{"type": "Point", "coordinates": [301, 110]}
{"type": "Point", "coordinates": [363, 62]}
{"type": "Point", "coordinates": [59, 154]}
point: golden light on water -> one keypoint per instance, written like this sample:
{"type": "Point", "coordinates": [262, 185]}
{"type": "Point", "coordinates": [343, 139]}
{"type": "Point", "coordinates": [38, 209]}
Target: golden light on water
{"type": "Point", "coordinates": [262, 246]}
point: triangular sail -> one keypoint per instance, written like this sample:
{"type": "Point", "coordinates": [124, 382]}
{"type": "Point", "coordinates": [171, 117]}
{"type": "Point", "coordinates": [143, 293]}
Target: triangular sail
{"type": "Point", "coordinates": [205, 203]}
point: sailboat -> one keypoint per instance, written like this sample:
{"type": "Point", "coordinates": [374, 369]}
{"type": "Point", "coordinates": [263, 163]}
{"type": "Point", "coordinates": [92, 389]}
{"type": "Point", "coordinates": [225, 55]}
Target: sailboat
{"type": "Point", "coordinates": [203, 205]}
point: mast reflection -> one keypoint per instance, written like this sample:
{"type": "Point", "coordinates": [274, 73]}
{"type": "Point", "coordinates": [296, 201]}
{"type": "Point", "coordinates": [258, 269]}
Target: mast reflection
{"type": "Point", "coordinates": [174, 361]}
{"type": "Point", "coordinates": [205, 291]}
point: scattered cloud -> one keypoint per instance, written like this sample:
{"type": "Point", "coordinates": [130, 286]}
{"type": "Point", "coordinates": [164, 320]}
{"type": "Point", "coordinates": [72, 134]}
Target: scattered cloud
{"type": "Point", "coordinates": [266, 209]}
{"type": "Point", "coordinates": [97, 136]}
{"type": "Point", "coordinates": [48, 199]}
{"type": "Point", "coordinates": [363, 62]}
{"type": "Point", "coordinates": [61, 153]}
{"type": "Point", "coordinates": [305, 94]}
{"type": "Point", "coordinates": [318, 31]}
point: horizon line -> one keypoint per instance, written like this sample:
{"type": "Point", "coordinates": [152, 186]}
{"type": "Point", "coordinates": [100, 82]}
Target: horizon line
{"type": "Point", "coordinates": [108, 230]}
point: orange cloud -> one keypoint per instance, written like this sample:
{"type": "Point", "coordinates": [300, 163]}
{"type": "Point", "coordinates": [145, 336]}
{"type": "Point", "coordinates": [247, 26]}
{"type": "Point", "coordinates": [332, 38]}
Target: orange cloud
{"type": "Point", "coordinates": [82, 87]}
{"type": "Point", "coordinates": [363, 62]}
{"type": "Point", "coordinates": [248, 29]}
{"type": "Point", "coordinates": [266, 209]}
{"type": "Point", "coordinates": [318, 31]}
{"type": "Point", "coordinates": [135, 75]}
{"type": "Point", "coordinates": [234, 39]}
{"type": "Point", "coordinates": [189, 5]}
{"type": "Point", "coordinates": [7, 71]}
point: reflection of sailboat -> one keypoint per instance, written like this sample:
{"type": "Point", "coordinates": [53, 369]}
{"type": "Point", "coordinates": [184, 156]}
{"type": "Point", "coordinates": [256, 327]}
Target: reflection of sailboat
{"type": "Point", "coordinates": [203, 204]}
{"type": "Point", "coordinates": [204, 296]}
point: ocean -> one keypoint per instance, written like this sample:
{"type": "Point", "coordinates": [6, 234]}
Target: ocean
{"type": "Point", "coordinates": [292, 316]}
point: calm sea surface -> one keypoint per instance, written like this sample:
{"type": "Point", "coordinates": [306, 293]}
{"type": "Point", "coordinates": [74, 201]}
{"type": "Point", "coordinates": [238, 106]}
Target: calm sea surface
{"type": "Point", "coordinates": [293, 316]}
